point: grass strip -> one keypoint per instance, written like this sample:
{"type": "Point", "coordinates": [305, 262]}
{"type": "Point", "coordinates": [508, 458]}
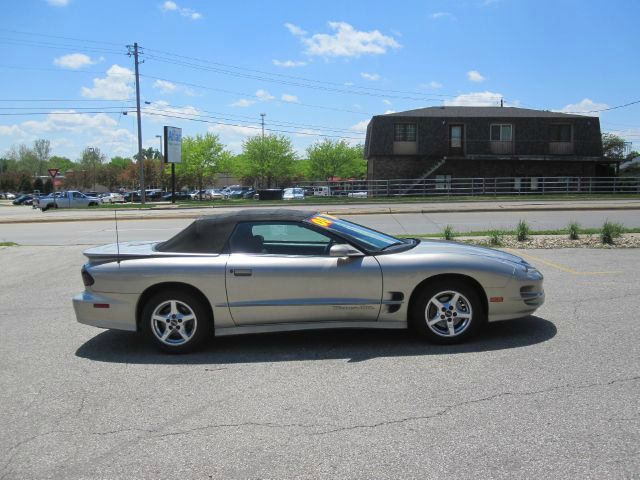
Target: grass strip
{"type": "Point", "coordinates": [486, 233]}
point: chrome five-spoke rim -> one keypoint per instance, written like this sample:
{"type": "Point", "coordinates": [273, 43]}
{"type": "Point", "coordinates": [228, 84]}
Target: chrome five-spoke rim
{"type": "Point", "coordinates": [448, 313]}
{"type": "Point", "coordinates": [173, 322]}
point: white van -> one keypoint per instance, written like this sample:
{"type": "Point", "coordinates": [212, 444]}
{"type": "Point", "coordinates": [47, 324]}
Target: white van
{"type": "Point", "coordinates": [321, 191]}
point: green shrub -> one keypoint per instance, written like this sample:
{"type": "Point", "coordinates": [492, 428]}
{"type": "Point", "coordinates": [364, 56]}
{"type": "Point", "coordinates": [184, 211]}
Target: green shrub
{"type": "Point", "coordinates": [448, 233]}
{"type": "Point", "coordinates": [495, 237]}
{"type": "Point", "coordinates": [522, 231]}
{"type": "Point", "coordinates": [574, 230]}
{"type": "Point", "coordinates": [610, 231]}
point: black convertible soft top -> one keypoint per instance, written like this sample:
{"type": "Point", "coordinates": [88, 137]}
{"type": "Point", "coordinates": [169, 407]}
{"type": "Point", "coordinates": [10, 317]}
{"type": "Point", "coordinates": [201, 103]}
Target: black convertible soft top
{"type": "Point", "coordinates": [209, 234]}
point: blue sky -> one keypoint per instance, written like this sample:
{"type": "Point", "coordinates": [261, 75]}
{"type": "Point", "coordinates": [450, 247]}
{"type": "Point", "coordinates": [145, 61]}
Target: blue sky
{"type": "Point", "coordinates": [315, 68]}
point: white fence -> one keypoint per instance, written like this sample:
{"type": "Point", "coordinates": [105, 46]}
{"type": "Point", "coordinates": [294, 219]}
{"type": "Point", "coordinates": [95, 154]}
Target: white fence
{"type": "Point", "coordinates": [444, 185]}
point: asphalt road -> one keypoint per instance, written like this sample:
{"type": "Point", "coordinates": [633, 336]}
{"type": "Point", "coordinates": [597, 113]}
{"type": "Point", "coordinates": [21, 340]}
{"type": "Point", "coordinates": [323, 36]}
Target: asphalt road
{"type": "Point", "coordinates": [98, 232]}
{"type": "Point", "coordinates": [551, 396]}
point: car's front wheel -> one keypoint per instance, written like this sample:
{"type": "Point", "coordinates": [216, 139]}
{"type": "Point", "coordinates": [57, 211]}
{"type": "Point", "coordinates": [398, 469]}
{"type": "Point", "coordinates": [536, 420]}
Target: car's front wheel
{"type": "Point", "coordinates": [176, 321]}
{"type": "Point", "coordinates": [449, 312]}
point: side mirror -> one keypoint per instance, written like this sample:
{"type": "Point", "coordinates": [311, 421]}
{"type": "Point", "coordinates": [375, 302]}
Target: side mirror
{"type": "Point", "coordinates": [344, 250]}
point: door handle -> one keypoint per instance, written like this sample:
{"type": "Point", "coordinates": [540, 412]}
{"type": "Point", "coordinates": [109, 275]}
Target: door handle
{"type": "Point", "coordinates": [243, 272]}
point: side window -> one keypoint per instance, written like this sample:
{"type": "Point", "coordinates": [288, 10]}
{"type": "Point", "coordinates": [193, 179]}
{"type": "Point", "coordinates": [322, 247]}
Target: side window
{"type": "Point", "coordinates": [77, 195]}
{"type": "Point", "coordinates": [278, 238]}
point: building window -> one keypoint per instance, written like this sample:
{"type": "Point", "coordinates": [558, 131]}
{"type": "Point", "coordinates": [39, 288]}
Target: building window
{"type": "Point", "coordinates": [405, 132]}
{"type": "Point", "coordinates": [455, 136]}
{"type": "Point", "coordinates": [561, 133]}
{"type": "Point", "coordinates": [501, 133]}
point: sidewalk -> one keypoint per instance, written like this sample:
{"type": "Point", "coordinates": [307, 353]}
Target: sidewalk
{"type": "Point", "coordinates": [23, 214]}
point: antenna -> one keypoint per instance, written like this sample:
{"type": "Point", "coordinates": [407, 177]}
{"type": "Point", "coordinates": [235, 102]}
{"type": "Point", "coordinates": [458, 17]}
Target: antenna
{"type": "Point", "coordinates": [115, 215]}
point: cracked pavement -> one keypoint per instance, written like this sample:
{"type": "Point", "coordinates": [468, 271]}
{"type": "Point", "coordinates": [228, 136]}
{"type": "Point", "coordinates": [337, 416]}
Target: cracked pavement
{"type": "Point", "coordinates": [552, 395]}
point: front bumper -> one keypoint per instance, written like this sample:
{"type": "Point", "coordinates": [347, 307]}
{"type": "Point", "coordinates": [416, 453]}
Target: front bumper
{"type": "Point", "coordinates": [90, 308]}
{"type": "Point", "coordinates": [520, 297]}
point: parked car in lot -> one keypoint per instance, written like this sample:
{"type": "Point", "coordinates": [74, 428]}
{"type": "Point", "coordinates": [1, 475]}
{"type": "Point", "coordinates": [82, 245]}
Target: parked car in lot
{"type": "Point", "coordinates": [179, 196]}
{"type": "Point", "coordinates": [70, 199]}
{"type": "Point", "coordinates": [23, 200]}
{"type": "Point", "coordinates": [361, 194]}
{"type": "Point", "coordinates": [8, 196]}
{"type": "Point", "coordinates": [112, 197]}
{"type": "Point", "coordinates": [238, 192]}
{"type": "Point", "coordinates": [269, 270]}
{"type": "Point", "coordinates": [214, 194]}
{"type": "Point", "coordinates": [293, 194]}
{"type": "Point", "coordinates": [322, 191]}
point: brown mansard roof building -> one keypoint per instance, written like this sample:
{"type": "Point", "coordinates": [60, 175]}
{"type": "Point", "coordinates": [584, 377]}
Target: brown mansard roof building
{"type": "Point", "coordinates": [463, 142]}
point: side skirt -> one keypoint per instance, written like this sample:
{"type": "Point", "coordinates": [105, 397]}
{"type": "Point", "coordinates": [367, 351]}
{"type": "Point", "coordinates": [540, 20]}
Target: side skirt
{"type": "Point", "coordinates": [292, 327]}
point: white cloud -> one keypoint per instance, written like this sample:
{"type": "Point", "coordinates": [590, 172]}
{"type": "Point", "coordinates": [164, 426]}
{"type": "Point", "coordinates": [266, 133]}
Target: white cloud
{"type": "Point", "coordinates": [585, 106]}
{"type": "Point", "coordinates": [432, 84]}
{"type": "Point", "coordinates": [190, 13]}
{"type": "Point", "coordinates": [476, 99]}
{"type": "Point", "coordinates": [242, 103]}
{"type": "Point", "coordinates": [295, 30]}
{"type": "Point", "coordinates": [289, 98]}
{"type": "Point", "coordinates": [345, 42]}
{"type": "Point", "coordinates": [370, 76]}
{"type": "Point", "coordinates": [115, 86]}
{"type": "Point", "coordinates": [389, 111]}
{"type": "Point", "coordinates": [360, 127]}
{"type": "Point", "coordinates": [289, 63]}
{"type": "Point", "coordinates": [165, 86]}
{"type": "Point", "coordinates": [264, 96]}
{"type": "Point", "coordinates": [74, 60]}
{"type": "Point", "coordinates": [475, 76]}
{"type": "Point", "coordinates": [58, 3]}
{"type": "Point", "coordinates": [386, 102]}
{"type": "Point", "coordinates": [440, 15]}
{"type": "Point", "coordinates": [11, 131]}
{"type": "Point", "coordinates": [162, 107]}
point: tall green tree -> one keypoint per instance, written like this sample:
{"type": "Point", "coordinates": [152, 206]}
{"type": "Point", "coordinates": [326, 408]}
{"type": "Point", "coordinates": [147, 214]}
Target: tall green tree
{"type": "Point", "coordinates": [42, 151]}
{"type": "Point", "coordinates": [90, 163]}
{"type": "Point", "coordinates": [202, 157]}
{"type": "Point", "coordinates": [267, 161]}
{"type": "Point", "coordinates": [335, 158]}
{"type": "Point", "coordinates": [61, 163]}
{"type": "Point", "coordinates": [121, 162]}
{"type": "Point", "coordinates": [613, 146]}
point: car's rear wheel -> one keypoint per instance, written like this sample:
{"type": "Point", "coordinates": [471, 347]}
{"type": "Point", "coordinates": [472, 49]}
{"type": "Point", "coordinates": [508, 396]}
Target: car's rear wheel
{"type": "Point", "coordinates": [176, 321]}
{"type": "Point", "coordinates": [447, 312]}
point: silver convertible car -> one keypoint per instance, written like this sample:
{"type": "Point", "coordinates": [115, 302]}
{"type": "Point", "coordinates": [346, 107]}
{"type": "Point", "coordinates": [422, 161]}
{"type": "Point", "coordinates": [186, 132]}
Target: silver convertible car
{"type": "Point", "coordinates": [269, 270]}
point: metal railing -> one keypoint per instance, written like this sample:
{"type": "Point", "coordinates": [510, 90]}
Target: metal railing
{"type": "Point", "coordinates": [444, 185]}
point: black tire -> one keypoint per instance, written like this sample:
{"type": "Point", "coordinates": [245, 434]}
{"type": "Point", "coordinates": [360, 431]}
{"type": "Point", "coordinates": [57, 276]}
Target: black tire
{"type": "Point", "coordinates": [449, 326]}
{"type": "Point", "coordinates": [186, 303]}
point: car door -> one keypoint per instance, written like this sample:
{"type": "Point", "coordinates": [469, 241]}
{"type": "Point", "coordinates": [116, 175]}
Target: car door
{"type": "Point", "coordinates": [281, 272]}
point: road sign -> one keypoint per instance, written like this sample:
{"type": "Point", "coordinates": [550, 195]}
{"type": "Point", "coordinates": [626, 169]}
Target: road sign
{"type": "Point", "coordinates": [53, 172]}
{"type": "Point", "coordinates": [172, 144]}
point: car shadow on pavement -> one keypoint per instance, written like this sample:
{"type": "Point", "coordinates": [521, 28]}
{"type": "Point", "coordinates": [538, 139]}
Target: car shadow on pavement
{"type": "Point", "coordinates": [353, 344]}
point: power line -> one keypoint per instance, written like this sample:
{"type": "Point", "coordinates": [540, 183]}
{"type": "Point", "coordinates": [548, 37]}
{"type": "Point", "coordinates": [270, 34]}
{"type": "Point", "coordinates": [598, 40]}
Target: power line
{"type": "Point", "coordinates": [293, 83]}
{"type": "Point", "coordinates": [63, 113]}
{"type": "Point", "coordinates": [308, 80]}
{"type": "Point", "coordinates": [161, 113]}
{"type": "Point", "coordinates": [240, 118]}
{"type": "Point", "coordinates": [56, 46]}
{"type": "Point", "coordinates": [607, 109]}
{"type": "Point", "coordinates": [204, 87]}
{"type": "Point", "coordinates": [31, 34]}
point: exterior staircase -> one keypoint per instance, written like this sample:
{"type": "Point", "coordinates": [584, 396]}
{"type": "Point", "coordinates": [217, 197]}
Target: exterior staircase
{"type": "Point", "coordinates": [429, 171]}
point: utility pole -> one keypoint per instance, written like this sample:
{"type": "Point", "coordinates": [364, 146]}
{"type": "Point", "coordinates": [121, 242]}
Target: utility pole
{"type": "Point", "coordinates": [140, 157]}
{"type": "Point", "coordinates": [262, 115]}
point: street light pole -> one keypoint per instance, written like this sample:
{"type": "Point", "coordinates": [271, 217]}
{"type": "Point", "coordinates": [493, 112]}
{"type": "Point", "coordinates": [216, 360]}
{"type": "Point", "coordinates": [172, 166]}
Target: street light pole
{"type": "Point", "coordinates": [159, 137]}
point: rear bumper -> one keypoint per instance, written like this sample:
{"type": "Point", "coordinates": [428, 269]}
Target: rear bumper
{"type": "Point", "coordinates": [120, 314]}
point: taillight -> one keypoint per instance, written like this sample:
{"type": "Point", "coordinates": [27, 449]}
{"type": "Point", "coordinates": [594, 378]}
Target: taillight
{"type": "Point", "coordinates": [87, 279]}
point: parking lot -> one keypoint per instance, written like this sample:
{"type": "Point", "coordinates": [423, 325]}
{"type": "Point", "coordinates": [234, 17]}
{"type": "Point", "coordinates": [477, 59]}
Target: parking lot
{"type": "Point", "coordinates": [554, 394]}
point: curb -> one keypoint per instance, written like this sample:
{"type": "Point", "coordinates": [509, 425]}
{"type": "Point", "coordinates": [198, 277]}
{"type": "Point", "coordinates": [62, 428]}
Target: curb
{"type": "Point", "coordinates": [378, 211]}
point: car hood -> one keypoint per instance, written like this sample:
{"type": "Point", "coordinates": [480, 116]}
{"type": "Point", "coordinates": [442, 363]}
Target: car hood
{"type": "Point", "coordinates": [444, 247]}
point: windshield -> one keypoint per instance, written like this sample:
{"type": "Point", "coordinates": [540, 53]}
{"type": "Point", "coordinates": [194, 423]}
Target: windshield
{"type": "Point", "coordinates": [367, 238]}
